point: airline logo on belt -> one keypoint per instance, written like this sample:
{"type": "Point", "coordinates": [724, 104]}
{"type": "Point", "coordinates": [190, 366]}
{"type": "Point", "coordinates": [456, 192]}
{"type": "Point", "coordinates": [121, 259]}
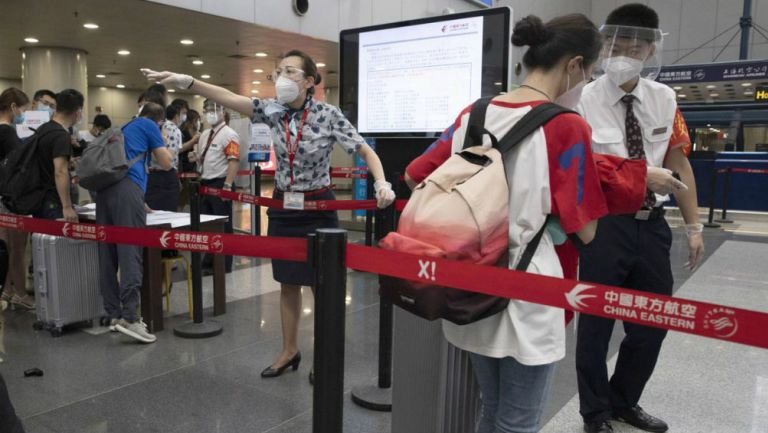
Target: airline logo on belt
{"type": "Point", "coordinates": [192, 241]}
{"type": "Point", "coordinates": [84, 231]}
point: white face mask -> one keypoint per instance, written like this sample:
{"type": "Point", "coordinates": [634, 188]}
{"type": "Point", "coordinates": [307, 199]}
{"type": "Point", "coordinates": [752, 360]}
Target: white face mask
{"type": "Point", "coordinates": [287, 90]}
{"type": "Point", "coordinates": [622, 69]}
{"type": "Point", "coordinates": [212, 118]}
{"type": "Point", "coordinates": [570, 99]}
{"type": "Point", "coordinates": [183, 118]}
{"type": "Point", "coordinates": [141, 107]}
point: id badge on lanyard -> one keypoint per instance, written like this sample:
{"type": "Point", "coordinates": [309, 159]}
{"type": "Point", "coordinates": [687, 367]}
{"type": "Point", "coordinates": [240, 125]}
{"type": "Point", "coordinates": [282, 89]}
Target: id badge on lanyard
{"type": "Point", "coordinates": [294, 147]}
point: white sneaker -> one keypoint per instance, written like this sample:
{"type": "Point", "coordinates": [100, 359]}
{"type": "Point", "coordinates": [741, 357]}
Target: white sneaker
{"type": "Point", "coordinates": [136, 330]}
{"type": "Point", "coordinates": [113, 325]}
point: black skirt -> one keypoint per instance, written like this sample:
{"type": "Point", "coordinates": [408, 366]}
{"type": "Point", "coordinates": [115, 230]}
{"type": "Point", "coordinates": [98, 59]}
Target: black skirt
{"type": "Point", "coordinates": [298, 224]}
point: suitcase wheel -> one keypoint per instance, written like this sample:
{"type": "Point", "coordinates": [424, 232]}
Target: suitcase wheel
{"type": "Point", "coordinates": [38, 326]}
{"type": "Point", "coordinates": [104, 321]}
{"type": "Point", "coordinates": [56, 332]}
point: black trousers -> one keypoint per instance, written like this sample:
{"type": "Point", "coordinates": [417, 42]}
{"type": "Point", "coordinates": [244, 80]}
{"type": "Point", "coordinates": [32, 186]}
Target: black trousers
{"type": "Point", "coordinates": [163, 190]}
{"type": "Point", "coordinates": [216, 206]}
{"type": "Point", "coordinates": [634, 254]}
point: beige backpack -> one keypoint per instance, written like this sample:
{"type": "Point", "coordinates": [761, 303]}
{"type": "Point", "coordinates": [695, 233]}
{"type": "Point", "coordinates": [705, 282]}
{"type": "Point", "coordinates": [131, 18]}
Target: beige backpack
{"type": "Point", "coordinates": [460, 212]}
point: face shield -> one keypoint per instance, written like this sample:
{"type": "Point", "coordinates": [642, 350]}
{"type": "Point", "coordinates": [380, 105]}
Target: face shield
{"type": "Point", "coordinates": [213, 113]}
{"type": "Point", "coordinates": [630, 52]}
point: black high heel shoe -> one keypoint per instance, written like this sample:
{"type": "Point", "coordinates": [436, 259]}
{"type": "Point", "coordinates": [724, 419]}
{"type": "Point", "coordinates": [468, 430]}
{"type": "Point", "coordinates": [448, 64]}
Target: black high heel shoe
{"type": "Point", "coordinates": [274, 372]}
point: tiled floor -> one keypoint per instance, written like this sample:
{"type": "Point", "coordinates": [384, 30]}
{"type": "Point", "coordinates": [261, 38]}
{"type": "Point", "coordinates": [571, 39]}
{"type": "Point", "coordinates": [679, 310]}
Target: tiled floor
{"type": "Point", "coordinates": [99, 382]}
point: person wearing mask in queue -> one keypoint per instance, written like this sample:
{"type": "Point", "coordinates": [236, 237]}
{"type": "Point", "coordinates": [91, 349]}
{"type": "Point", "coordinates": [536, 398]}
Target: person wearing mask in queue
{"type": "Point", "coordinates": [513, 353]}
{"type": "Point", "coordinates": [637, 118]}
{"type": "Point", "coordinates": [101, 123]}
{"type": "Point", "coordinates": [13, 104]}
{"type": "Point", "coordinates": [44, 100]}
{"type": "Point", "coordinates": [217, 155]}
{"type": "Point", "coordinates": [156, 93]}
{"type": "Point", "coordinates": [53, 154]}
{"type": "Point", "coordinates": [122, 204]}
{"type": "Point", "coordinates": [187, 140]}
{"type": "Point", "coordinates": [304, 131]}
{"type": "Point", "coordinates": [190, 135]}
{"type": "Point", "coordinates": [163, 185]}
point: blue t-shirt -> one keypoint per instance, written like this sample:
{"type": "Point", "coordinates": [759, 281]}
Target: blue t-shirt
{"type": "Point", "coordinates": [141, 136]}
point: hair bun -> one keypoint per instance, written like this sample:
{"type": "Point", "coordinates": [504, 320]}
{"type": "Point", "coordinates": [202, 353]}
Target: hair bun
{"type": "Point", "coordinates": [530, 31]}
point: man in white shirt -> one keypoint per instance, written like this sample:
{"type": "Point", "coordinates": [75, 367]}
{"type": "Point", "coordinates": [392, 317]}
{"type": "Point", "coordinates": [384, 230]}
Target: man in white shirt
{"type": "Point", "coordinates": [636, 118]}
{"type": "Point", "coordinates": [101, 123]}
{"type": "Point", "coordinates": [217, 154]}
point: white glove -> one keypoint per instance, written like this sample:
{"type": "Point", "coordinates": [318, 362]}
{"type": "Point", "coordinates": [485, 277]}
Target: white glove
{"type": "Point", "coordinates": [661, 181]}
{"type": "Point", "coordinates": [384, 194]}
{"type": "Point", "coordinates": [180, 81]}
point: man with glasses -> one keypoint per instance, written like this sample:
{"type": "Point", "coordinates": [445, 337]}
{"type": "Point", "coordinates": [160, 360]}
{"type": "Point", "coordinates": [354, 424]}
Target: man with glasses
{"type": "Point", "coordinates": [217, 153]}
{"type": "Point", "coordinates": [632, 117]}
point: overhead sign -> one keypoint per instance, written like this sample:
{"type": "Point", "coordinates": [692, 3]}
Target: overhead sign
{"type": "Point", "coordinates": [761, 94]}
{"type": "Point", "coordinates": [730, 71]}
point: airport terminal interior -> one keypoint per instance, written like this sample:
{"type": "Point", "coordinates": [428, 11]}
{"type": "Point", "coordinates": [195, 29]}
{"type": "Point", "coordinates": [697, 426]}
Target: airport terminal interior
{"type": "Point", "coordinates": [400, 71]}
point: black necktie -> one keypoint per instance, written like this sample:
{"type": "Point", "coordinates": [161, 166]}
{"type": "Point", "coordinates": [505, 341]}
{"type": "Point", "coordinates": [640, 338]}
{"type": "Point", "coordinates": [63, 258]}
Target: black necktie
{"type": "Point", "coordinates": [634, 137]}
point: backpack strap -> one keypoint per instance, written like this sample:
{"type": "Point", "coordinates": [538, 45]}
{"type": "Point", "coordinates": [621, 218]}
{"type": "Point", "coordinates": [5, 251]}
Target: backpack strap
{"type": "Point", "coordinates": [476, 128]}
{"type": "Point", "coordinates": [530, 249]}
{"type": "Point", "coordinates": [533, 120]}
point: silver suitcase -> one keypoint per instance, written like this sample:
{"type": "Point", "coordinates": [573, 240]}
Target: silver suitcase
{"type": "Point", "coordinates": [66, 282]}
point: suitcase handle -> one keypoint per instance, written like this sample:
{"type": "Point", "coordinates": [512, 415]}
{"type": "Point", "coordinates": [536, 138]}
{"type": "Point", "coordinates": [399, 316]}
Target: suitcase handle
{"type": "Point", "coordinates": [40, 283]}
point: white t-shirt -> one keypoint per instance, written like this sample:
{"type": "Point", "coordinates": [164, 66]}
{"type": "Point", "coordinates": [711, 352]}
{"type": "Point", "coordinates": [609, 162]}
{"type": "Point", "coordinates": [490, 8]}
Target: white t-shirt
{"type": "Point", "coordinates": [225, 146]}
{"type": "Point", "coordinates": [85, 135]}
{"type": "Point", "coordinates": [533, 334]}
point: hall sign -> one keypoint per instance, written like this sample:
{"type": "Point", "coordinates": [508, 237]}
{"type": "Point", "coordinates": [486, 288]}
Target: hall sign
{"type": "Point", "coordinates": [730, 71]}
{"type": "Point", "coordinates": [761, 94]}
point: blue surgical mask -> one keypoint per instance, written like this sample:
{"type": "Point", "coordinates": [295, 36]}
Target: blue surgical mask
{"type": "Point", "coordinates": [43, 107]}
{"type": "Point", "coordinates": [18, 120]}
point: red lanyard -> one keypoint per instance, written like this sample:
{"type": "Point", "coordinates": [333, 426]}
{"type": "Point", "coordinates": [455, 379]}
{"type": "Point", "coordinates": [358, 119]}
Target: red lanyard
{"type": "Point", "coordinates": [293, 147]}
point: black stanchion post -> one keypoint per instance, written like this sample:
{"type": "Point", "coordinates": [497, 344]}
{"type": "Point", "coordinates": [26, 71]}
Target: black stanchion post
{"type": "Point", "coordinates": [198, 328]}
{"type": "Point", "coordinates": [328, 256]}
{"type": "Point", "coordinates": [369, 213]}
{"type": "Point", "coordinates": [255, 209]}
{"type": "Point", "coordinates": [378, 396]}
{"type": "Point", "coordinates": [713, 191]}
{"type": "Point", "coordinates": [726, 189]}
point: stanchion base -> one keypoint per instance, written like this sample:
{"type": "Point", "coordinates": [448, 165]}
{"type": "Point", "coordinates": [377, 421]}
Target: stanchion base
{"type": "Point", "coordinates": [372, 397]}
{"type": "Point", "coordinates": [724, 221]}
{"type": "Point", "coordinates": [712, 225]}
{"type": "Point", "coordinates": [209, 328]}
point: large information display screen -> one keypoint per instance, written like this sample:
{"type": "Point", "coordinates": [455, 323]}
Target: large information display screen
{"type": "Point", "coordinates": [418, 78]}
{"type": "Point", "coordinates": [413, 78]}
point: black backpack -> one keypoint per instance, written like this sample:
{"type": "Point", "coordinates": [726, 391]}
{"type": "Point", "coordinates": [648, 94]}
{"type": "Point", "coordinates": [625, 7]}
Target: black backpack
{"type": "Point", "coordinates": [21, 183]}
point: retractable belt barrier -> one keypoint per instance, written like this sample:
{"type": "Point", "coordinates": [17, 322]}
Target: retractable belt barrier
{"type": "Point", "coordinates": [201, 242]}
{"type": "Point", "coordinates": [727, 171]}
{"type": "Point", "coordinates": [318, 205]}
{"type": "Point", "coordinates": [742, 170]}
{"type": "Point", "coordinates": [693, 317]}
